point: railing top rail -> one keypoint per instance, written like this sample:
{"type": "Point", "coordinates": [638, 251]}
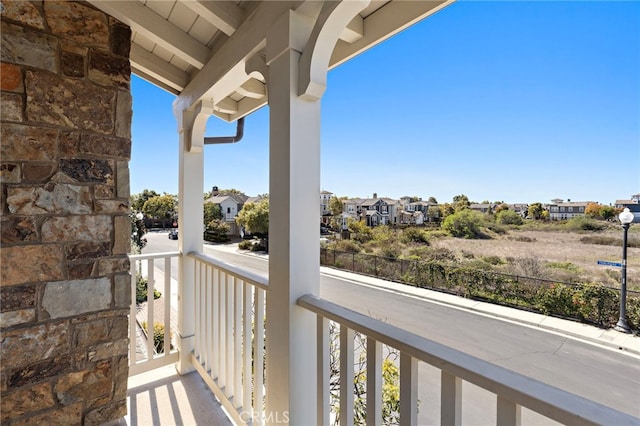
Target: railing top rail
{"type": "Point", "coordinates": [154, 255]}
{"type": "Point", "coordinates": [254, 279]}
{"type": "Point", "coordinates": [550, 401]}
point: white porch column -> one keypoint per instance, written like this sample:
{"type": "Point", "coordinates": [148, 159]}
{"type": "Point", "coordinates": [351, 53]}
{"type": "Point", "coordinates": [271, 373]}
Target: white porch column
{"type": "Point", "coordinates": [191, 126]}
{"type": "Point", "coordinates": [294, 248]}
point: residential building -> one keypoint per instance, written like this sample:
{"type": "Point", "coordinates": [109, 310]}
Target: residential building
{"type": "Point", "coordinates": [325, 209]}
{"type": "Point", "coordinates": [633, 204]}
{"type": "Point", "coordinates": [483, 207]}
{"type": "Point", "coordinates": [560, 210]}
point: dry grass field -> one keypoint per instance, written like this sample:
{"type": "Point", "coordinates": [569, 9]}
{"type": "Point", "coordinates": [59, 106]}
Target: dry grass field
{"type": "Point", "coordinates": [563, 249]}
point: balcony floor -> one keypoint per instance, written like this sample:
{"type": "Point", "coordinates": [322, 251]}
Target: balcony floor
{"type": "Point", "coordinates": [162, 397]}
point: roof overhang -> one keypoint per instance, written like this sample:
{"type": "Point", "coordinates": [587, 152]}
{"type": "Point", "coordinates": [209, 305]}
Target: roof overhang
{"type": "Point", "coordinates": [215, 50]}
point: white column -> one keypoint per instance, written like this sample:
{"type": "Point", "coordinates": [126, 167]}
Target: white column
{"type": "Point", "coordinates": [190, 222]}
{"type": "Point", "coordinates": [294, 248]}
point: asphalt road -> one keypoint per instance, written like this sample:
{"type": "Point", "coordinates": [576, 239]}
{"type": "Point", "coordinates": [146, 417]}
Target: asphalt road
{"type": "Point", "coordinates": [602, 374]}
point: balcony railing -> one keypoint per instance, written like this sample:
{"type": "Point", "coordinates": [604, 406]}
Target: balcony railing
{"type": "Point", "coordinates": [144, 266]}
{"type": "Point", "coordinates": [230, 354]}
{"type": "Point", "coordinates": [230, 336]}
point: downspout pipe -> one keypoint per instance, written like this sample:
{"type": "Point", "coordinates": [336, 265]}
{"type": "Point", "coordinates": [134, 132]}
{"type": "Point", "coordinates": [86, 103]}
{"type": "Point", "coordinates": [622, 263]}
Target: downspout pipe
{"type": "Point", "coordinates": [227, 139]}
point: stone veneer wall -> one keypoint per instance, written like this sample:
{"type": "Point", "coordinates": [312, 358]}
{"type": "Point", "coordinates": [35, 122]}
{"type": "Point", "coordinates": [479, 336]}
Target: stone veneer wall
{"type": "Point", "coordinates": [66, 142]}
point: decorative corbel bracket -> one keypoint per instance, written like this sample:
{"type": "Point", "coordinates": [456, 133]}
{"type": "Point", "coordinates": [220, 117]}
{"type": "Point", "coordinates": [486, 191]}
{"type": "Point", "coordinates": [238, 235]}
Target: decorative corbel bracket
{"type": "Point", "coordinates": [193, 123]}
{"type": "Point", "coordinates": [314, 63]}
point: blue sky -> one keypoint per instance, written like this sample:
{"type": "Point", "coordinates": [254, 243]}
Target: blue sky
{"type": "Point", "coordinates": [511, 101]}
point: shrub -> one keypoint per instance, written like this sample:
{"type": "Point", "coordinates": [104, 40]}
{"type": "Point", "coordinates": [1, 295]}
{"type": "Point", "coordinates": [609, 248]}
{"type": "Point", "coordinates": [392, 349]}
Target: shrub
{"type": "Point", "coordinates": [464, 224]}
{"type": "Point", "coordinates": [141, 290]}
{"type": "Point", "coordinates": [158, 336]}
{"type": "Point", "coordinates": [216, 231]}
{"type": "Point", "coordinates": [245, 245]}
{"type": "Point", "coordinates": [350, 246]}
{"type": "Point", "coordinates": [414, 235]}
{"type": "Point", "coordinates": [493, 260]}
{"type": "Point", "coordinates": [581, 223]}
{"type": "Point", "coordinates": [509, 217]}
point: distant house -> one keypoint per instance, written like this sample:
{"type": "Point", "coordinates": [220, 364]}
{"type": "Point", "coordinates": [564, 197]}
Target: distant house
{"type": "Point", "coordinates": [483, 207]}
{"type": "Point", "coordinates": [417, 212]}
{"type": "Point", "coordinates": [387, 209]}
{"type": "Point", "coordinates": [325, 209]}
{"type": "Point", "coordinates": [521, 208]}
{"type": "Point", "coordinates": [560, 210]}
{"type": "Point", "coordinates": [633, 204]}
{"type": "Point", "coordinates": [230, 206]}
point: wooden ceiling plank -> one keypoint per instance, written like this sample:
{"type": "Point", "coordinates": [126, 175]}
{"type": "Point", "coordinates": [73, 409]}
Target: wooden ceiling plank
{"type": "Point", "coordinates": [157, 29]}
{"type": "Point", "coordinates": [224, 15]}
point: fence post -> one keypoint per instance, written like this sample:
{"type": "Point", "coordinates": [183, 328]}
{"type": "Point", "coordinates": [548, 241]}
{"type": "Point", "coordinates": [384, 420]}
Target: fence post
{"type": "Point", "coordinates": [375, 265]}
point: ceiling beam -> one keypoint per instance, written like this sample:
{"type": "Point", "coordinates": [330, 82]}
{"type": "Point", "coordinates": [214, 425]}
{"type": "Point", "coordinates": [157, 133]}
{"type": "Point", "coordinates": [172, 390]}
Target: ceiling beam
{"type": "Point", "coordinates": [158, 68]}
{"type": "Point", "coordinates": [153, 80]}
{"type": "Point", "coordinates": [354, 31]}
{"type": "Point", "coordinates": [157, 29]}
{"type": "Point", "coordinates": [248, 39]}
{"type": "Point", "coordinates": [224, 15]}
{"type": "Point", "coordinates": [253, 89]}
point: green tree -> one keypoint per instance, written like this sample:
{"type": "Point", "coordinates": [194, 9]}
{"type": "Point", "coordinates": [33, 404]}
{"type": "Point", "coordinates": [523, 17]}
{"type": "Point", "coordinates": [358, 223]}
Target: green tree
{"type": "Point", "coordinates": [464, 224]}
{"type": "Point", "coordinates": [461, 202]}
{"type": "Point", "coordinates": [335, 205]}
{"type": "Point", "coordinates": [160, 207]}
{"type": "Point", "coordinates": [446, 209]}
{"type": "Point", "coordinates": [216, 231]}
{"type": "Point", "coordinates": [432, 200]}
{"type": "Point", "coordinates": [509, 217]}
{"type": "Point", "coordinates": [500, 207]}
{"type": "Point", "coordinates": [138, 200]}
{"type": "Point", "coordinates": [361, 232]}
{"type": "Point", "coordinates": [607, 212]}
{"type": "Point", "coordinates": [212, 211]}
{"type": "Point", "coordinates": [254, 217]}
{"type": "Point", "coordinates": [536, 211]}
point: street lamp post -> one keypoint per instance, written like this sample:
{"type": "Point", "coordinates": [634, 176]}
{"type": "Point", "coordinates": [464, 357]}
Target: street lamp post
{"type": "Point", "coordinates": [626, 217]}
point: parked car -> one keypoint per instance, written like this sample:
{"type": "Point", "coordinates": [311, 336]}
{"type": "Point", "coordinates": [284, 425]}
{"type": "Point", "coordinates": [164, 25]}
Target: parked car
{"type": "Point", "coordinates": [173, 234]}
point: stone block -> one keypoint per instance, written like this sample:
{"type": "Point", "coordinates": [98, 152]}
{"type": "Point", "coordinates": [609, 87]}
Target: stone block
{"type": "Point", "coordinates": [124, 114]}
{"type": "Point", "coordinates": [32, 263]}
{"type": "Point", "coordinates": [69, 143]}
{"type": "Point", "coordinates": [104, 145]}
{"type": "Point", "coordinates": [10, 173]}
{"type": "Point", "coordinates": [101, 330]}
{"type": "Point", "coordinates": [11, 78]}
{"type": "Point", "coordinates": [40, 371]}
{"type": "Point", "coordinates": [68, 102]}
{"type": "Point", "coordinates": [25, 47]}
{"type": "Point", "coordinates": [122, 180]}
{"type": "Point", "coordinates": [69, 298]}
{"type": "Point", "coordinates": [78, 22]}
{"type": "Point", "coordinates": [77, 228]}
{"type": "Point", "coordinates": [82, 270]}
{"type": "Point", "coordinates": [103, 191]}
{"type": "Point", "coordinates": [23, 346]}
{"type": "Point", "coordinates": [17, 297]}
{"type": "Point", "coordinates": [122, 290]}
{"type": "Point", "coordinates": [76, 386]}
{"type": "Point", "coordinates": [122, 235]}
{"type": "Point", "coordinates": [111, 206]}
{"type": "Point", "coordinates": [52, 198]}
{"type": "Point", "coordinates": [88, 170]}
{"type": "Point", "coordinates": [18, 229]}
{"type": "Point", "coordinates": [109, 70]}
{"type": "Point", "coordinates": [120, 38]}
{"type": "Point", "coordinates": [113, 266]}
{"type": "Point", "coordinates": [73, 65]}
{"type": "Point", "coordinates": [11, 107]}
{"type": "Point", "coordinates": [22, 401]}
{"type": "Point", "coordinates": [27, 143]}
{"type": "Point", "coordinates": [24, 12]}
{"type": "Point", "coordinates": [13, 318]}
{"type": "Point", "coordinates": [87, 250]}
{"type": "Point", "coordinates": [107, 413]}
{"type": "Point", "coordinates": [37, 172]}
{"type": "Point", "coordinates": [69, 415]}
{"type": "Point", "coordinates": [110, 349]}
